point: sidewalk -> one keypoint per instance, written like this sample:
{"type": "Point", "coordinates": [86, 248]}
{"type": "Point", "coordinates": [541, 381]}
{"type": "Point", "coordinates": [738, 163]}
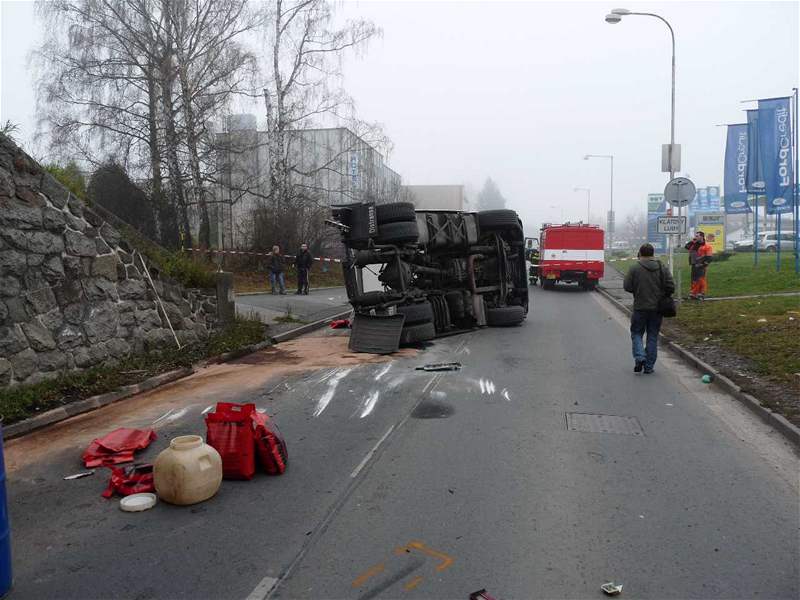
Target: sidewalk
{"type": "Point", "coordinates": [612, 283]}
{"type": "Point", "coordinates": [318, 304]}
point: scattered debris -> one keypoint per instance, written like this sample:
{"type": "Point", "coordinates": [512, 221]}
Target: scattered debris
{"type": "Point", "coordinates": [340, 324]}
{"type": "Point", "coordinates": [130, 480]}
{"type": "Point", "coordinates": [481, 595]}
{"type": "Point", "coordinates": [611, 588]}
{"type": "Point", "coordinates": [707, 378]}
{"type": "Point", "coordinates": [137, 502]}
{"type": "Point", "coordinates": [453, 366]}
{"type": "Point", "coordinates": [117, 447]}
{"type": "Point", "coordinates": [762, 320]}
{"type": "Point", "coordinates": [80, 475]}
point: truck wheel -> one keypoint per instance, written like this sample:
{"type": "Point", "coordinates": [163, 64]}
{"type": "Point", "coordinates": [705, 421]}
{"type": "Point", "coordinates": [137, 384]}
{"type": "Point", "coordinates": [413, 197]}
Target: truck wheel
{"type": "Point", "coordinates": [417, 333]}
{"type": "Point", "coordinates": [548, 284]}
{"type": "Point", "coordinates": [401, 232]}
{"type": "Point", "coordinates": [416, 313]}
{"type": "Point", "coordinates": [455, 304]}
{"type": "Point", "coordinates": [395, 212]}
{"type": "Point", "coordinates": [505, 315]}
{"type": "Point", "coordinates": [492, 220]}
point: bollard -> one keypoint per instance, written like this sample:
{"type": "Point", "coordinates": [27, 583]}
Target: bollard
{"type": "Point", "coordinates": [5, 531]}
{"type": "Point", "coordinates": [226, 301]}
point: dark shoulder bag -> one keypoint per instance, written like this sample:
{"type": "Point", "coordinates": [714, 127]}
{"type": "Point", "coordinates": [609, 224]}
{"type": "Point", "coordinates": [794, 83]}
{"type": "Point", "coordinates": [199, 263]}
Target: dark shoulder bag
{"type": "Point", "coordinates": [666, 304]}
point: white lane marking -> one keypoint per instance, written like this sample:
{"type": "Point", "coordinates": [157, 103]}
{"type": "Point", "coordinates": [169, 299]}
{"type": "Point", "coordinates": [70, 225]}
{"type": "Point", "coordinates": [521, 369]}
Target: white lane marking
{"type": "Point", "coordinates": [383, 371]}
{"type": "Point", "coordinates": [369, 405]}
{"type": "Point", "coordinates": [263, 588]}
{"type": "Point", "coordinates": [364, 462]}
{"type": "Point", "coordinates": [505, 395]}
{"type": "Point", "coordinates": [438, 394]}
{"type": "Point", "coordinates": [323, 402]}
{"type": "Point", "coordinates": [490, 387]}
{"type": "Point", "coordinates": [164, 416]}
{"type": "Point", "coordinates": [483, 385]}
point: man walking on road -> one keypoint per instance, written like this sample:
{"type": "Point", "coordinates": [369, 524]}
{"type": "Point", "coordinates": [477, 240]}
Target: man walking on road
{"type": "Point", "coordinates": [648, 281]}
{"type": "Point", "coordinates": [303, 262]}
{"type": "Point", "coordinates": [276, 267]}
{"type": "Point", "coordinates": [699, 256]}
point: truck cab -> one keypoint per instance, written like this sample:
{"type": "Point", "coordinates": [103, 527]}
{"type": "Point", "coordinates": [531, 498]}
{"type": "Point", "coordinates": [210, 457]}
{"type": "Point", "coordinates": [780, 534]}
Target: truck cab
{"type": "Point", "coordinates": [572, 253]}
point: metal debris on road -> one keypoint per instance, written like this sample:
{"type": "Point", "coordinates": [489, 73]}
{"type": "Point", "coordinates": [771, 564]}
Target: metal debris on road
{"type": "Point", "coordinates": [453, 366]}
{"type": "Point", "coordinates": [611, 588]}
{"type": "Point", "coordinates": [481, 595]}
{"type": "Point", "coordinates": [78, 475]}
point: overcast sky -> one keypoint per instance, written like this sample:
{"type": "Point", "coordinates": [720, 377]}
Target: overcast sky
{"type": "Point", "coordinates": [520, 91]}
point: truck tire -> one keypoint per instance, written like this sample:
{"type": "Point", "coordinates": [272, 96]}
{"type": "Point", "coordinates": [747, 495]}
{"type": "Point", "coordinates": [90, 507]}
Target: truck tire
{"type": "Point", "coordinates": [505, 315]}
{"type": "Point", "coordinates": [401, 232]}
{"type": "Point", "coordinates": [455, 303]}
{"type": "Point", "coordinates": [548, 284]}
{"type": "Point", "coordinates": [493, 220]}
{"type": "Point", "coordinates": [417, 333]}
{"type": "Point", "coordinates": [395, 212]}
{"type": "Point", "coordinates": [416, 313]}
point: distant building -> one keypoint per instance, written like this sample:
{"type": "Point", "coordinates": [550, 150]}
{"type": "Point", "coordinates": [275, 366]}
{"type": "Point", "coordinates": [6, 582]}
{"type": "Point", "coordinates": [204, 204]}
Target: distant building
{"type": "Point", "coordinates": [330, 165]}
{"type": "Point", "coordinates": [444, 197]}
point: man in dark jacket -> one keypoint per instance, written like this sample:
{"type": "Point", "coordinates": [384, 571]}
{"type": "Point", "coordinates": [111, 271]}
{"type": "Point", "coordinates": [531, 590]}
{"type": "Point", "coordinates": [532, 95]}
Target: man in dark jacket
{"type": "Point", "coordinates": [276, 267]}
{"type": "Point", "coordinates": [303, 262]}
{"type": "Point", "coordinates": [648, 281]}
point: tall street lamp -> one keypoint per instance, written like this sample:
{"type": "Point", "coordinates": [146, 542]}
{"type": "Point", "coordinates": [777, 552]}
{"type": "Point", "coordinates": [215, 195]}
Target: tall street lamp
{"type": "Point", "coordinates": [614, 17]}
{"type": "Point", "coordinates": [588, 202]}
{"type": "Point", "coordinates": [611, 224]}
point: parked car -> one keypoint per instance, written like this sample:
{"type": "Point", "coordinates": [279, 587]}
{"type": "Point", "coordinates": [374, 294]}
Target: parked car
{"type": "Point", "coordinates": [768, 241]}
{"type": "Point", "coordinates": [441, 271]}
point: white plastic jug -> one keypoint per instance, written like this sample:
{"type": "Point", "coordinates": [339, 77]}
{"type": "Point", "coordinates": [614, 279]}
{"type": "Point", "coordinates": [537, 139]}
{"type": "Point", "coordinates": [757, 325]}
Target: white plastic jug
{"type": "Point", "coordinates": [187, 472]}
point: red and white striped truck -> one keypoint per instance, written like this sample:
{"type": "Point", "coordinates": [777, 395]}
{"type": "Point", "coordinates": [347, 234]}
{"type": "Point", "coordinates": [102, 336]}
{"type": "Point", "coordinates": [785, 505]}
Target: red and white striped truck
{"type": "Point", "coordinates": [572, 252]}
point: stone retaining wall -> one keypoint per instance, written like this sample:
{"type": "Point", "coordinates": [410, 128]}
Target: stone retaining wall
{"type": "Point", "coordinates": [72, 291]}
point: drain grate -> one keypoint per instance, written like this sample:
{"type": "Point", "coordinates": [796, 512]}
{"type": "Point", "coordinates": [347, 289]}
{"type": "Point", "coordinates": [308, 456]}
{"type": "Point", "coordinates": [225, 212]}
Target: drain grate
{"type": "Point", "coordinates": [603, 424]}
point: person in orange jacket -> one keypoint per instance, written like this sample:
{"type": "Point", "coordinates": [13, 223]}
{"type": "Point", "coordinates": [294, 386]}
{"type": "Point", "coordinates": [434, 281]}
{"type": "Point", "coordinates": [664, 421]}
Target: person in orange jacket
{"type": "Point", "coordinates": [699, 258]}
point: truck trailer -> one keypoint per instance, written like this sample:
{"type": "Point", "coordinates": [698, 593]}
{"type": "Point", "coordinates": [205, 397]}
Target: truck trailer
{"type": "Point", "coordinates": [440, 271]}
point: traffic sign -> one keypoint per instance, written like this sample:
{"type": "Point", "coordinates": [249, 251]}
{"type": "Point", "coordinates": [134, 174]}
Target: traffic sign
{"type": "Point", "coordinates": [671, 225]}
{"type": "Point", "coordinates": [679, 191]}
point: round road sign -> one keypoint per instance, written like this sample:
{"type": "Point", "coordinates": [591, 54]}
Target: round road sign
{"type": "Point", "coordinates": [679, 192]}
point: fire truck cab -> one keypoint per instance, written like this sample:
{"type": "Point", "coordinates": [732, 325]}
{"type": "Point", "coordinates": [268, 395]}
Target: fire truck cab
{"type": "Point", "coordinates": [571, 252]}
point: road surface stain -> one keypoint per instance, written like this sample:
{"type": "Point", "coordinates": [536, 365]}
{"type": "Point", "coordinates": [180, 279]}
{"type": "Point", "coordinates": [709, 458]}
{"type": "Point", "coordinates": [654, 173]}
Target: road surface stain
{"type": "Point", "coordinates": [235, 381]}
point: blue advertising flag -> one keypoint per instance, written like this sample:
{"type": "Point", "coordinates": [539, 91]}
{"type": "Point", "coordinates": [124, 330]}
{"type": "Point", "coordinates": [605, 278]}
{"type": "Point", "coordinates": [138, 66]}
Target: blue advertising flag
{"type": "Point", "coordinates": [736, 170]}
{"type": "Point", "coordinates": [754, 177]}
{"type": "Point", "coordinates": [775, 150]}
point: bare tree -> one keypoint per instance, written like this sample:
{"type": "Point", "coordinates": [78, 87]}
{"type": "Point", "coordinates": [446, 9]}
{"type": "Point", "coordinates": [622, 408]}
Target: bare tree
{"type": "Point", "coordinates": [634, 229]}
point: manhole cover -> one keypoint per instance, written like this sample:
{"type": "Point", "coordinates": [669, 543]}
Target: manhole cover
{"type": "Point", "coordinates": [603, 424]}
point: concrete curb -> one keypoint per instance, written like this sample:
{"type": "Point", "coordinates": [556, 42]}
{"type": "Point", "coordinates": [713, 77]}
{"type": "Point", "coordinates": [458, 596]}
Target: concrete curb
{"type": "Point", "coordinates": [330, 287]}
{"type": "Point", "coordinates": [778, 421]}
{"type": "Point", "coordinates": [80, 407]}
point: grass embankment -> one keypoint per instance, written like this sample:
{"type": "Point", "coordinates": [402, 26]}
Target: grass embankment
{"type": "Point", "coordinates": [24, 401]}
{"type": "Point", "coordinates": [765, 331]}
{"type": "Point", "coordinates": [736, 276]}
{"type": "Point", "coordinates": [251, 281]}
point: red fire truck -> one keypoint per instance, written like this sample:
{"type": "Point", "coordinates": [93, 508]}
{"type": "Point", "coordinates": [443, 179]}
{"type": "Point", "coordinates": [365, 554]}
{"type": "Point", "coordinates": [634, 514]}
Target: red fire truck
{"type": "Point", "coordinates": [572, 252]}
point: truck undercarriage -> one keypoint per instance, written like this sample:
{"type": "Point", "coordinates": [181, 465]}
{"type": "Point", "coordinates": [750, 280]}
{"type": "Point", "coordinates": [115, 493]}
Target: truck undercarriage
{"type": "Point", "coordinates": [439, 272]}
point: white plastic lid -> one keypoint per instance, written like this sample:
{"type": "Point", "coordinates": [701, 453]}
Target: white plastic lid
{"type": "Point", "coordinates": [137, 502]}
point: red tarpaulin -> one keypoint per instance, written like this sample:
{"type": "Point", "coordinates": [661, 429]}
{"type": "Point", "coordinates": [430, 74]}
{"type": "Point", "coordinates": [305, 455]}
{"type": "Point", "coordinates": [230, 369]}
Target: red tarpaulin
{"type": "Point", "coordinates": [117, 447]}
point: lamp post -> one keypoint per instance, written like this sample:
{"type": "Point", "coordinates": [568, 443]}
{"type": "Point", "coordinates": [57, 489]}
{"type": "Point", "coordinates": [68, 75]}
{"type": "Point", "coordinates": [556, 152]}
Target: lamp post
{"type": "Point", "coordinates": [611, 224]}
{"type": "Point", "coordinates": [588, 202]}
{"type": "Point", "coordinates": [614, 17]}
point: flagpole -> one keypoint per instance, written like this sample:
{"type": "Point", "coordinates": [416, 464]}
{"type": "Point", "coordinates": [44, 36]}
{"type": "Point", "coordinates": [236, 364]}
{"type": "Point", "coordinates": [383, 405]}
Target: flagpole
{"type": "Point", "coordinates": [795, 190]}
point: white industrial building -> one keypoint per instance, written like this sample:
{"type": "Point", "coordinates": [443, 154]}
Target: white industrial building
{"type": "Point", "coordinates": [331, 165]}
{"type": "Point", "coordinates": [441, 197]}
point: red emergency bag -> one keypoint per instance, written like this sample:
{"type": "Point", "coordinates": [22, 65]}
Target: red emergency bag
{"type": "Point", "coordinates": [229, 430]}
{"type": "Point", "coordinates": [131, 479]}
{"type": "Point", "coordinates": [270, 445]}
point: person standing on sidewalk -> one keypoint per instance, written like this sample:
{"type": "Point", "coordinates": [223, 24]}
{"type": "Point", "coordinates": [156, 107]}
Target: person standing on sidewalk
{"type": "Point", "coordinates": [648, 281]}
{"type": "Point", "coordinates": [699, 256]}
{"type": "Point", "coordinates": [303, 262]}
{"type": "Point", "coordinates": [276, 267]}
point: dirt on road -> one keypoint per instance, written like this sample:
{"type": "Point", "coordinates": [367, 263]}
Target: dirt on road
{"type": "Point", "coordinates": [216, 383]}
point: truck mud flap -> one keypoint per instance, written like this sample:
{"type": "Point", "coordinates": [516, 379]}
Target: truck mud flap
{"type": "Point", "coordinates": [376, 335]}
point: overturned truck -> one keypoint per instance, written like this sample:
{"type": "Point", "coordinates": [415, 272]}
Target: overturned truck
{"type": "Point", "coordinates": [440, 272]}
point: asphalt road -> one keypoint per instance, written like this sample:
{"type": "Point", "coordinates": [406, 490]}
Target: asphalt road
{"type": "Point", "coordinates": [318, 304]}
{"type": "Point", "coordinates": [406, 484]}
